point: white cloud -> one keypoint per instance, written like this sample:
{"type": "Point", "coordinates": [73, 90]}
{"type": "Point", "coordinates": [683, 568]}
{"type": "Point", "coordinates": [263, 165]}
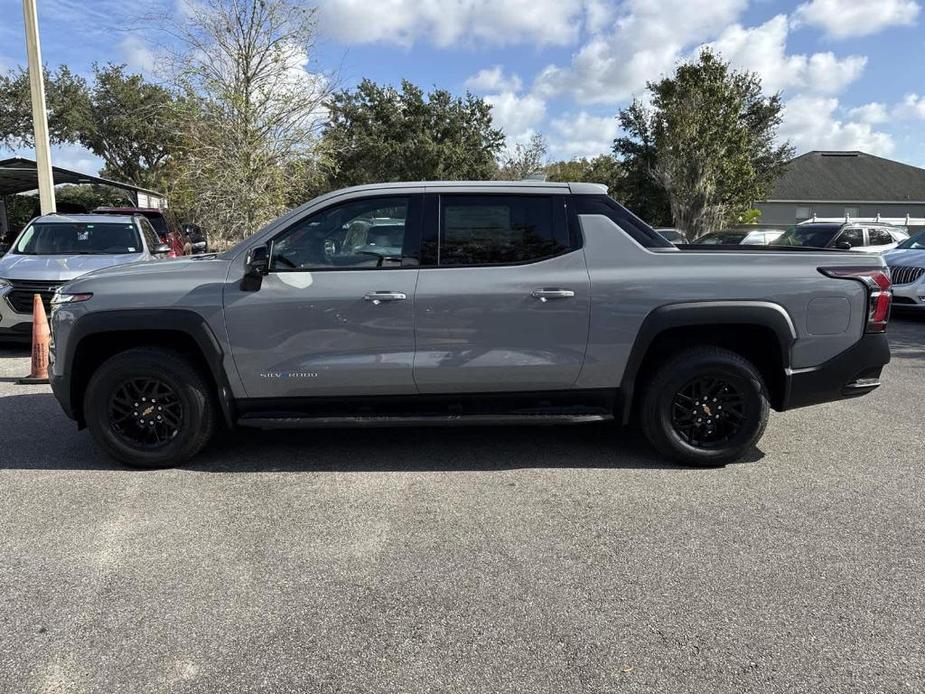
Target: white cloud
{"type": "Point", "coordinates": [763, 49]}
{"type": "Point", "coordinates": [518, 116]}
{"type": "Point", "coordinates": [873, 112]}
{"type": "Point", "coordinates": [598, 15]}
{"type": "Point", "coordinates": [442, 23]}
{"type": "Point", "coordinates": [844, 18]}
{"type": "Point", "coordinates": [911, 107]}
{"type": "Point", "coordinates": [582, 135]}
{"type": "Point", "coordinates": [138, 55]}
{"type": "Point", "coordinates": [73, 157]}
{"type": "Point", "coordinates": [493, 79]}
{"type": "Point", "coordinates": [810, 123]}
{"type": "Point", "coordinates": [648, 38]}
{"type": "Point", "coordinates": [76, 158]}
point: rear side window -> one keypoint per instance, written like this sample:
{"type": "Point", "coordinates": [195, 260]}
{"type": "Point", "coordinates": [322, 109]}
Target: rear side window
{"type": "Point", "coordinates": [501, 229]}
{"type": "Point", "coordinates": [853, 236]}
{"type": "Point", "coordinates": [641, 232]}
{"type": "Point", "coordinates": [879, 237]}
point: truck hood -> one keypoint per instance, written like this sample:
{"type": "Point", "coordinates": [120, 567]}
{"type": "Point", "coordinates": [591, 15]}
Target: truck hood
{"type": "Point", "coordinates": [905, 256]}
{"type": "Point", "coordinates": [58, 267]}
{"type": "Point", "coordinates": [168, 266]}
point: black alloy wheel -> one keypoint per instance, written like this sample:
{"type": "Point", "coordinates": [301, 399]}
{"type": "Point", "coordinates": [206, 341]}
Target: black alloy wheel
{"type": "Point", "coordinates": [705, 406]}
{"type": "Point", "coordinates": [145, 412]}
{"type": "Point", "coordinates": [150, 407]}
{"type": "Point", "coordinates": [708, 412]}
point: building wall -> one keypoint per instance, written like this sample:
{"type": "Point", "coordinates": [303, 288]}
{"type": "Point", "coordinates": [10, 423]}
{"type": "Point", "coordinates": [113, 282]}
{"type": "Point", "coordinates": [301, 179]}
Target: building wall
{"type": "Point", "coordinates": [785, 213]}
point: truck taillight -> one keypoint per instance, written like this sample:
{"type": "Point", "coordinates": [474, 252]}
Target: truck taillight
{"type": "Point", "coordinates": [879, 292]}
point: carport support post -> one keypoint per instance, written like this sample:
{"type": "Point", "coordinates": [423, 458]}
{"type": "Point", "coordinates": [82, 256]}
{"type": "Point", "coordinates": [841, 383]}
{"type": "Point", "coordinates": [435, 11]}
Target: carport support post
{"type": "Point", "coordinates": [39, 114]}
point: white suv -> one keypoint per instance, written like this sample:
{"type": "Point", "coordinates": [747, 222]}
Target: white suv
{"type": "Point", "coordinates": [55, 248]}
{"type": "Point", "coordinates": [907, 268]}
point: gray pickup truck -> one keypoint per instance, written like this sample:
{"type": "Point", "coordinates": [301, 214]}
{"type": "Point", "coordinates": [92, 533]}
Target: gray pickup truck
{"type": "Point", "coordinates": [466, 303]}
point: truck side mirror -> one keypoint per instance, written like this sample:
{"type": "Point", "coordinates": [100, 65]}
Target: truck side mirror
{"type": "Point", "coordinates": [256, 265]}
{"type": "Point", "coordinates": [843, 245]}
{"type": "Point", "coordinates": [161, 249]}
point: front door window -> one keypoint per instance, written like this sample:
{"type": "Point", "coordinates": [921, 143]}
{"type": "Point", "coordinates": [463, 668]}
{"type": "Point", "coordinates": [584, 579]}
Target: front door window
{"type": "Point", "coordinates": [360, 234]}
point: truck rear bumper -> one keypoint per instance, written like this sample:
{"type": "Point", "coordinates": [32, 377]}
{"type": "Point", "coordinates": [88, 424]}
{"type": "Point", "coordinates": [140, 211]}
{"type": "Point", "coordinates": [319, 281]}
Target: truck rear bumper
{"type": "Point", "coordinates": [854, 372]}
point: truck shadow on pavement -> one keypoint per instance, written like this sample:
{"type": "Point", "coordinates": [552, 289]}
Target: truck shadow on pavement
{"type": "Point", "coordinates": [35, 435]}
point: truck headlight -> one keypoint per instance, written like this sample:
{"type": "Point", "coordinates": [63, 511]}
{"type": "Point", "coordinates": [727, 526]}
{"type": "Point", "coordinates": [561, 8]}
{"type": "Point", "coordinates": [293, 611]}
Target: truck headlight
{"type": "Point", "coordinates": [4, 284]}
{"type": "Point", "coordinates": [58, 298]}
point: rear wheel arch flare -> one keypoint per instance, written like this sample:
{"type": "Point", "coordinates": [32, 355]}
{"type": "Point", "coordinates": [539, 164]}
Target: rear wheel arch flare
{"type": "Point", "coordinates": [748, 328]}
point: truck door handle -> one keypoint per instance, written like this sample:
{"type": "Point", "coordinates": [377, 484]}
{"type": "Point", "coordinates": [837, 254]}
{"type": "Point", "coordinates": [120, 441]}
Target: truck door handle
{"type": "Point", "coordinates": [545, 295]}
{"type": "Point", "coordinates": [378, 297]}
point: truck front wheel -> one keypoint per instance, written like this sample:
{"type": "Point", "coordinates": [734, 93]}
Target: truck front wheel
{"type": "Point", "coordinates": [705, 406]}
{"type": "Point", "coordinates": [149, 408]}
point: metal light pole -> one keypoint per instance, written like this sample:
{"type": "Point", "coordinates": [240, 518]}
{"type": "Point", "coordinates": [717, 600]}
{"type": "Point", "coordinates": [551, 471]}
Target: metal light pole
{"type": "Point", "coordinates": [39, 114]}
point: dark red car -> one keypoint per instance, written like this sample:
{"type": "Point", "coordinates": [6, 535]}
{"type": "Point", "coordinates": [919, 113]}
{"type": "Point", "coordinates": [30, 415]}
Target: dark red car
{"type": "Point", "coordinates": [164, 223]}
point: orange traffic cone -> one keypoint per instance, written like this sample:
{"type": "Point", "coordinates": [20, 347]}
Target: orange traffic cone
{"type": "Point", "coordinates": [40, 338]}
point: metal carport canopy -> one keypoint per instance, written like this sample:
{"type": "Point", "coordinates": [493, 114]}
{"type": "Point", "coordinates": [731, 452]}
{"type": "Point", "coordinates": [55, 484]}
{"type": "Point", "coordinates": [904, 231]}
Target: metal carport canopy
{"type": "Point", "coordinates": [19, 175]}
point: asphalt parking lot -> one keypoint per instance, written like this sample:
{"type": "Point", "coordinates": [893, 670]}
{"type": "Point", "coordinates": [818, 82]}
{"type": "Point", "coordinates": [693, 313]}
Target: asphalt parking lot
{"type": "Point", "coordinates": [480, 560]}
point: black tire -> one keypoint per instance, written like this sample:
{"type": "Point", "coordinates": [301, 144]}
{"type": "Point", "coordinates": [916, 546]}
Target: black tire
{"type": "Point", "coordinates": [182, 389]}
{"type": "Point", "coordinates": [701, 433]}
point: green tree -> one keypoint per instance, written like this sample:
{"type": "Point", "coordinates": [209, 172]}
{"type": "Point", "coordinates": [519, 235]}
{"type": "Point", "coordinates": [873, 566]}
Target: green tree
{"type": "Point", "coordinates": [601, 169]}
{"type": "Point", "coordinates": [377, 133]}
{"type": "Point", "coordinates": [524, 160]}
{"type": "Point", "coordinates": [66, 97]}
{"type": "Point", "coordinates": [252, 111]}
{"type": "Point", "coordinates": [130, 123]}
{"type": "Point", "coordinates": [637, 187]}
{"type": "Point", "coordinates": [708, 141]}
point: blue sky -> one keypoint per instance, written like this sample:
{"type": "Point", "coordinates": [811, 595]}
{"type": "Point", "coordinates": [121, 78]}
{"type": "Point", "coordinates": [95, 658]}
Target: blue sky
{"type": "Point", "coordinates": [852, 72]}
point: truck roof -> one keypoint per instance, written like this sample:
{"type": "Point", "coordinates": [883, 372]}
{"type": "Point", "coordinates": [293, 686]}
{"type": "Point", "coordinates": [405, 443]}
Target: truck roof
{"type": "Point", "coordinates": [475, 186]}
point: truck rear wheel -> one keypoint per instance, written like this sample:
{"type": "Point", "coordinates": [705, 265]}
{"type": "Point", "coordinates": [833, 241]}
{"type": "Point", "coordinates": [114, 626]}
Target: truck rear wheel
{"type": "Point", "coordinates": [149, 408]}
{"type": "Point", "coordinates": [705, 406]}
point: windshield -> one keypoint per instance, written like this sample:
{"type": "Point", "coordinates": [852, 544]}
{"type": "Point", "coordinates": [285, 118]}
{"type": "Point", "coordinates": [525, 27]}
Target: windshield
{"type": "Point", "coordinates": [811, 235]}
{"type": "Point", "coordinates": [722, 238]}
{"type": "Point", "coordinates": [77, 238]}
{"type": "Point", "coordinates": [916, 243]}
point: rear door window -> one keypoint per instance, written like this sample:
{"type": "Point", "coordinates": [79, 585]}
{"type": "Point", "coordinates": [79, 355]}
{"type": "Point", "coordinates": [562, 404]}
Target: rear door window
{"type": "Point", "coordinates": [853, 236]}
{"type": "Point", "coordinates": [501, 229]}
{"type": "Point", "coordinates": [879, 237]}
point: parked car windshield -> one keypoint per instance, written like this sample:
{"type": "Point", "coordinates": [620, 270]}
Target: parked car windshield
{"type": "Point", "coordinates": [810, 235]}
{"type": "Point", "coordinates": [77, 238]}
{"type": "Point", "coordinates": [916, 243]}
{"type": "Point", "coordinates": [722, 238]}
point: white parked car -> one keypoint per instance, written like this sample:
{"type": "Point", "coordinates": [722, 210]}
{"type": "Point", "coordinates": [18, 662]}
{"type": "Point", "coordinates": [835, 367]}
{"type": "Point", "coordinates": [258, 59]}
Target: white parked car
{"type": "Point", "coordinates": [55, 248]}
{"type": "Point", "coordinates": [861, 237]}
{"type": "Point", "coordinates": [907, 270]}
{"type": "Point", "coordinates": [740, 237]}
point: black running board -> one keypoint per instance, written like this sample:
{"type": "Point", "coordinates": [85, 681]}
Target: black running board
{"type": "Point", "coordinates": [419, 420]}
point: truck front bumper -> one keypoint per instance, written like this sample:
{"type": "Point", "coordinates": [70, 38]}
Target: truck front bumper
{"type": "Point", "coordinates": [854, 372]}
{"type": "Point", "coordinates": [909, 296]}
